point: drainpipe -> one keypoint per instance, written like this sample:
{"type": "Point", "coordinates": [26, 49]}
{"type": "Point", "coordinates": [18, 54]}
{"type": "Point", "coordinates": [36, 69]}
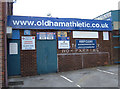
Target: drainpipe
{"type": "Point", "coordinates": [5, 39]}
{"type": "Point", "coordinates": [5, 45]}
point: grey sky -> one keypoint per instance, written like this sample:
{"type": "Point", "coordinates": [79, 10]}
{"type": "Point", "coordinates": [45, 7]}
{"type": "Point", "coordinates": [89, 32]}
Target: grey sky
{"type": "Point", "coordinates": [85, 9]}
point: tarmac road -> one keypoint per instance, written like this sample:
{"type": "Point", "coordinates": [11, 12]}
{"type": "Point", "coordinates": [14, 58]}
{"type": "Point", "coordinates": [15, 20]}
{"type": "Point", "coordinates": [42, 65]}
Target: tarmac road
{"type": "Point", "coordinates": [105, 76]}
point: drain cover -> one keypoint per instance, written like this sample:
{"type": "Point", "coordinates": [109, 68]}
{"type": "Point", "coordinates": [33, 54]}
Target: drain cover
{"type": "Point", "coordinates": [41, 79]}
{"type": "Point", "coordinates": [15, 83]}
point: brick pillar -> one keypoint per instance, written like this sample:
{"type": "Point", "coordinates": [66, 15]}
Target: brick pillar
{"type": "Point", "coordinates": [1, 48]}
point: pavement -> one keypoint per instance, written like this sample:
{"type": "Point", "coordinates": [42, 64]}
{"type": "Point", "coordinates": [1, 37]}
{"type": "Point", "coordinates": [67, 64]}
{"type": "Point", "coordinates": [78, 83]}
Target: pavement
{"type": "Point", "coordinates": [105, 76]}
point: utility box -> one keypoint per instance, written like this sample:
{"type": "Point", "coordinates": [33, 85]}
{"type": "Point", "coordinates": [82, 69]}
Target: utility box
{"type": "Point", "coordinates": [9, 32]}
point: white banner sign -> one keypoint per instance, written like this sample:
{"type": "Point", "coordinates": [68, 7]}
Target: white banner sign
{"type": "Point", "coordinates": [28, 42]}
{"type": "Point", "coordinates": [85, 34]}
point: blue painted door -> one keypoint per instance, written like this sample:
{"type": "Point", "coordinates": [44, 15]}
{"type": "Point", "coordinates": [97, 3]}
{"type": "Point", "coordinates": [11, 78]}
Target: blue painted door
{"type": "Point", "coordinates": [46, 56]}
{"type": "Point", "coordinates": [13, 60]}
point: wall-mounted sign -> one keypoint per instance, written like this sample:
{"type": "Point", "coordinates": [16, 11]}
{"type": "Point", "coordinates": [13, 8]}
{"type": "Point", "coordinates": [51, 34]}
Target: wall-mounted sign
{"type": "Point", "coordinates": [26, 22]}
{"type": "Point", "coordinates": [41, 35]}
{"type": "Point", "coordinates": [15, 34]}
{"type": "Point", "coordinates": [13, 48]}
{"type": "Point", "coordinates": [51, 36]}
{"type": "Point", "coordinates": [62, 34]}
{"type": "Point", "coordinates": [63, 43]}
{"type": "Point", "coordinates": [105, 35]}
{"type": "Point", "coordinates": [9, 32]}
{"type": "Point", "coordinates": [85, 34]}
{"type": "Point", "coordinates": [46, 35]}
{"type": "Point", "coordinates": [27, 32]}
{"type": "Point", "coordinates": [28, 42]}
{"type": "Point", "coordinates": [86, 44]}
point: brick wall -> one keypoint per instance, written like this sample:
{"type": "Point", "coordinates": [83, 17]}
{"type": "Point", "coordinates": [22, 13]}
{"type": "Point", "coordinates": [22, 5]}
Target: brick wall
{"type": "Point", "coordinates": [73, 58]}
{"type": "Point", "coordinates": [3, 23]}
{"type": "Point", "coordinates": [69, 62]}
{"type": "Point", "coordinates": [2, 71]}
{"type": "Point", "coordinates": [0, 44]}
{"type": "Point", "coordinates": [28, 58]}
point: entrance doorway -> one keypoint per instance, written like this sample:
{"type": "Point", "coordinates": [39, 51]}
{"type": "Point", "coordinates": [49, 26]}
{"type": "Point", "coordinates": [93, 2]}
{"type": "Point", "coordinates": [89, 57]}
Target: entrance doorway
{"type": "Point", "coordinates": [13, 58]}
{"type": "Point", "coordinates": [46, 56]}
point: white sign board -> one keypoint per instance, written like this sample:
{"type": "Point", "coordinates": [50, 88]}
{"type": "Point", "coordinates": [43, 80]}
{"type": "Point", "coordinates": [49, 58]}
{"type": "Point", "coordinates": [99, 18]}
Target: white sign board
{"type": "Point", "coordinates": [42, 35]}
{"type": "Point", "coordinates": [85, 34]}
{"type": "Point", "coordinates": [13, 48]}
{"type": "Point", "coordinates": [50, 35]}
{"type": "Point", "coordinates": [63, 44]}
{"type": "Point", "coordinates": [28, 42]}
{"type": "Point", "coordinates": [105, 35]}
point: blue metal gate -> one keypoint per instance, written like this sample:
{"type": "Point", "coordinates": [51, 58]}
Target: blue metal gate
{"type": "Point", "coordinates": [13, 60]}
{"type": "Point", "coordinates": [46, 56]}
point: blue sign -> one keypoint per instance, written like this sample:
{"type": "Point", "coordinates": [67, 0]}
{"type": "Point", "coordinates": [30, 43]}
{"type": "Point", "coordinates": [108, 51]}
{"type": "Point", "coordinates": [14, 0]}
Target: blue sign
{"type": "Point", "coordinates": [86, 44]}
{"type": "Point", "coordinates": [15, 34]}
{"type": "Point", "coordinates": [63, 38]}
{"type": "Point", "coordinates": [25, 22]}
{"type": "Point", "coordinates": [27, 32]}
